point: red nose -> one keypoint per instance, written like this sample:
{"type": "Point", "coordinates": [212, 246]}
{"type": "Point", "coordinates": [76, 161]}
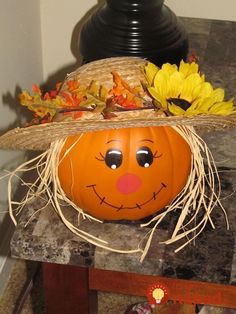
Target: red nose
{"type": "Point", "coordinates": [128, 183]}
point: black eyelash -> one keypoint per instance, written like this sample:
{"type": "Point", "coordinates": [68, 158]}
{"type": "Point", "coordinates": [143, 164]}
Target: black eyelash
{"type": "Point", "coordinates": [157, 156]}
{"type": "Point", "coordinates": [103, 158]}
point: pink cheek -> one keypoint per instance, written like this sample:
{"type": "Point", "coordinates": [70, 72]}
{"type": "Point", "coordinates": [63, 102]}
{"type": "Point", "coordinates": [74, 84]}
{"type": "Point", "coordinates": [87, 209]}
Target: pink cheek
{"type": "Point", "coordinates": [128, 183]}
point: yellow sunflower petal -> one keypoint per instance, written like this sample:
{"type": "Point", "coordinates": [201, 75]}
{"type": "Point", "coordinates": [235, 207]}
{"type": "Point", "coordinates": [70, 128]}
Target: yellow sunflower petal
{"type": "Point", "coordinates": [169, 68]}
{"type": "Point", "coordinates": [204, 105]}
{"type": "Point", "coordinates": [196, 92]}
{"type": "Point", "coordinates": [194, 105]}
{"type": "Point", "coordinates": [188, 68]}
{"type": "Point", "coordinates": [173, 84]}
{"type": "Point", "coordinates": [218, 94]}
{"type": "Point", "coordinates": [223, 108]}
{"type": "Point", "coordinates": [176, 82]}
{"type": "Point", "coordinates": [161, 83]}
{"type": "Point", "coordinates": [189, 86]}
{"type": "Point", "coordinates": [191, 112]}
{"type": "Point", "coordinates": [176, 110]}
{"type": "Point", "coordinates": [206, 90]}
{"type": "Point", "coordinates": [184, 68]}
{"type": "Point", "coordinates": [150, 71]}
{"type": "Point", "coordinates": [194, 68]}
{"type": "Point", "coordinates": [203, 77]}
{"type": "Point", "coordinates": [162, 101]}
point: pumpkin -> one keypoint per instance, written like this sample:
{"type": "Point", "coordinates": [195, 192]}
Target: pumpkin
{"type": "Point", "coordinates": [124, 173]}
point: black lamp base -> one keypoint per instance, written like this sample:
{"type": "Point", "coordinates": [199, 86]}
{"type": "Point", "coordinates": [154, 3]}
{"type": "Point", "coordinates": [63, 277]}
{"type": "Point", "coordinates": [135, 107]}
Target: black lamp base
{"type": "Point", "coordinates": [140, 28]}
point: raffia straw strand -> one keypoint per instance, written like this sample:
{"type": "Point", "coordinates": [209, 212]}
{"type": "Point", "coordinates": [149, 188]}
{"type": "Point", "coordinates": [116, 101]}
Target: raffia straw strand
{"type": "Point", "coordinates": [196, 190]}
{"type": "Point", "coordinates": [92, 239]}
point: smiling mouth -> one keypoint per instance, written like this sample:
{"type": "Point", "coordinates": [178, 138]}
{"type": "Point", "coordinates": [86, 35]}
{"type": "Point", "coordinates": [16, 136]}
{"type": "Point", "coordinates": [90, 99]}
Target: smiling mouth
{"type": "Point", "coordinates": [118, 208]}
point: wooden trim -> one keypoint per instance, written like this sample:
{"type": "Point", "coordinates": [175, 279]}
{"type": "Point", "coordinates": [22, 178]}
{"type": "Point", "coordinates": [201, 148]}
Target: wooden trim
{"type": "Point", "coordinates": [66, 289]}
{"type": "Point", "coordinates": [183, 291]}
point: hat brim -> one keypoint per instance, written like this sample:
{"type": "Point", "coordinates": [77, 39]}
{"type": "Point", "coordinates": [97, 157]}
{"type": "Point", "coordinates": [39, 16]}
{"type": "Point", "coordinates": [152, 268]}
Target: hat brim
{"type": "Point", "coordinates": [39, 137]}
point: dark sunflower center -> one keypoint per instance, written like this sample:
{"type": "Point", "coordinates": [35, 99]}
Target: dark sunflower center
{"type": "Point", "coordinates": [182, 103]}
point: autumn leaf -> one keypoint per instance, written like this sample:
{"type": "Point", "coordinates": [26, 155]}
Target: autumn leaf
{"type": "Point", "coordinates": [36, 89]}
{"type": "Point", "coordinates": [72, 85]}
{"type": "Point", "coordinates": [130, 95]}
{"type": "Point", "coordinates": [41, 105]}
{"type": "Point", "coordinates": [72, 98]}
{"type": "Point", "coordinates": [95, 95]}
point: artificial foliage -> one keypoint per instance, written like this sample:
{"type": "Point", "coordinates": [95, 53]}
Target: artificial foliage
{"type": "Point", "coordinates": [172, 90]}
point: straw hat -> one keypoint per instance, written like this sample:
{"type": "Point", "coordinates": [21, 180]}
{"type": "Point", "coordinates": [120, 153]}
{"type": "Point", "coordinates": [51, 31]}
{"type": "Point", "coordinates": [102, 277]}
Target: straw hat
{"type": "Point", "coordinates": [131, 69]}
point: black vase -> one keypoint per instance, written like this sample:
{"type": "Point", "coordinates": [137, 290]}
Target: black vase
{"type": "Point", "coordinates": [140, 28]}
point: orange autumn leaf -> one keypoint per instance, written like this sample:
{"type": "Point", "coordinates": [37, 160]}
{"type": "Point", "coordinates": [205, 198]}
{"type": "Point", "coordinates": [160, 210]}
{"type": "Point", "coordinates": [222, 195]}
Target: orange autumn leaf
{"type": "Point", "coordinates": [58, 86]}
{"type": "Point", "coordinates": [68, 99]}
{"type": "Point", "coordinates": [127, 96]}
{"type": "Point", "coordinates": [121, 85]}
{"type": "Point", "coordinates": [46, 96]}
{"type": "Point", "coordinates": [78, 114]}
{"type": "Point", "coordinates": [36, 89]}
{"type": "Point", "coordinates": [72, 85]}
{"type": "Point", "coordinates": [74, 98]}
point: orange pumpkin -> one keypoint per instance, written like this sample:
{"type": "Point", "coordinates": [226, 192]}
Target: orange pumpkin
{"type": "Point", "coordinates": [124, 173]}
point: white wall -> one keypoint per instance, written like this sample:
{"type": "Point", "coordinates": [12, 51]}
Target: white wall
{"type": "Point", "coordinates": [59, 21]}
{"type": "Point", "coordinates": [20, 65]}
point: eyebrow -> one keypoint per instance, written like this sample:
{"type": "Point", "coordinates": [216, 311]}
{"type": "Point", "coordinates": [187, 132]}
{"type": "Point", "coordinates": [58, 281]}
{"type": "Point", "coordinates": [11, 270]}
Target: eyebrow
{"type": "Point", "coordinates": [146, 140]}
{"type": "Point", "coordinates": [112, 141]}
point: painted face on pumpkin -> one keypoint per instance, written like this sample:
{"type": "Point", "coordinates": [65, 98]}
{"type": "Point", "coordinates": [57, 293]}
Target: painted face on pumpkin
{"type": "Point", "coordinates": [124, 173]}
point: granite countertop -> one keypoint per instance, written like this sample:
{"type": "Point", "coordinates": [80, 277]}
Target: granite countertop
{"type": "Point", "coordinates": [212, 257]}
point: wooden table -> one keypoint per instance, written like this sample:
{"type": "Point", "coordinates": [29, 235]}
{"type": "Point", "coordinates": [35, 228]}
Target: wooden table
{"type": "Point", "coordinates": [67, 289]}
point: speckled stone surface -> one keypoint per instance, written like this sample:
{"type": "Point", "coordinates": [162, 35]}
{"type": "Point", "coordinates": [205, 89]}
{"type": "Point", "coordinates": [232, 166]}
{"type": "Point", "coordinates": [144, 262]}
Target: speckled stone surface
{"type": "Point", "coordinates": [213, 257]}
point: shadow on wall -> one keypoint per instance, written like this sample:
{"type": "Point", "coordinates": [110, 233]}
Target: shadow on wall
{"type": "Point", "coordinates": [11, 101]}
{"type": "Point", "coordinates": [21, 113]}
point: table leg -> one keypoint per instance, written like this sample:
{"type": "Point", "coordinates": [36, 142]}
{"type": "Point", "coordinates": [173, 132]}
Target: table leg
{"type": "Point", "coordinates": [66, 289]}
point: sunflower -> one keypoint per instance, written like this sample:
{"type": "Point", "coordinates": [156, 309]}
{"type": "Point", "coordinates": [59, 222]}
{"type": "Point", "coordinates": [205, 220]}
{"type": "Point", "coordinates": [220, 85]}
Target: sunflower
{"type": "Point", "coordinates": [183, 90]}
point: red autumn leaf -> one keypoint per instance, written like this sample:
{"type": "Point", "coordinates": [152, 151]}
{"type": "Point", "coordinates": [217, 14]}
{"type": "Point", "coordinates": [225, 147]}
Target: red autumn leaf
{"type": "Point", "coordinates": [46, 96]}
{"type": "Point", "coordinates": [53, 93]}
{"type": "Point", "coordinates": [58, 86]}
{"type": "Point", "coordinates": [193, 57]}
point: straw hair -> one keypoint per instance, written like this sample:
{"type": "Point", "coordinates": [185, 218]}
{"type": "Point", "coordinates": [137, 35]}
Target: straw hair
{"type": "Point", "coordinates": [131, 69]}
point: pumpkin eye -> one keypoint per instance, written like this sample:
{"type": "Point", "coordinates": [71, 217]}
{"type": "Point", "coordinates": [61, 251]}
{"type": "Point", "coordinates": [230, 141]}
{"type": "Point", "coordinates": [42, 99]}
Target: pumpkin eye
{"type": "Point", "coordinates": [113, 158]}
{"type": "Point", "coordinates": [144, 157]}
